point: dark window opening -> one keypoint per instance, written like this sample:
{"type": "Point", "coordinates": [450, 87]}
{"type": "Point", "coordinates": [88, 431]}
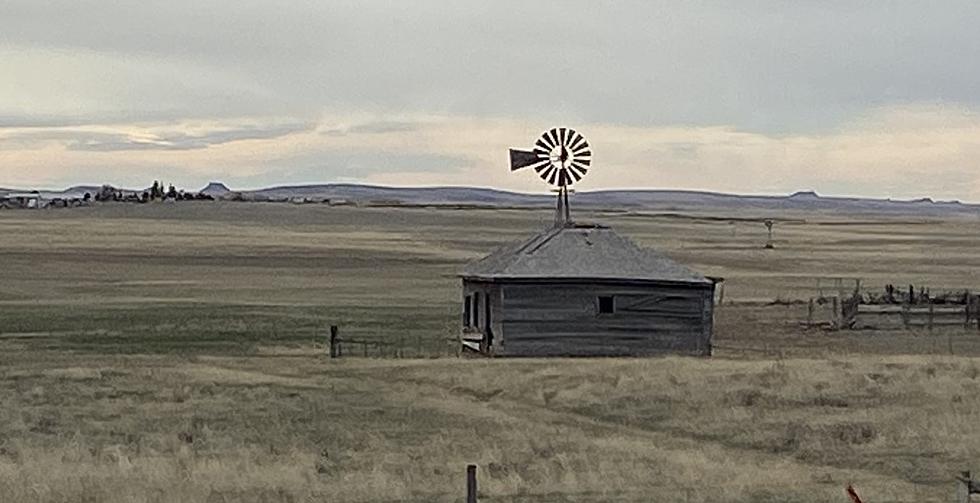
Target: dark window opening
{"type": "Point", "coordinates": [486, 312]}
{"type": "Point", "coordinates": [476, 310]}
{"type": "Point", "coordinates": [607, 305]}
{"type": "Point", "coordinates": [466, 310]}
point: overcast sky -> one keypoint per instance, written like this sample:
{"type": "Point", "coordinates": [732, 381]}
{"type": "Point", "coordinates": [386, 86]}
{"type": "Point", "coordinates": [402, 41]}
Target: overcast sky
{"type": "Point", "coordinates": [851, 98]}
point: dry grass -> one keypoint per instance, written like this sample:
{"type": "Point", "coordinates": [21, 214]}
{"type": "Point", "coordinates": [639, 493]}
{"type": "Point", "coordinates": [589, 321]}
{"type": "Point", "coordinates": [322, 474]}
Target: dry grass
{"type": "Point", "coordinates": [77, 428]}
{"type": "Point", "coordinates": [152, 353]}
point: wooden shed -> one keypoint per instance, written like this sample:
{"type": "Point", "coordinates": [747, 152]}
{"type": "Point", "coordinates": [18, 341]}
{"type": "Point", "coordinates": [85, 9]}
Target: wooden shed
{"type": "Point", "coordinates": [584, 290]}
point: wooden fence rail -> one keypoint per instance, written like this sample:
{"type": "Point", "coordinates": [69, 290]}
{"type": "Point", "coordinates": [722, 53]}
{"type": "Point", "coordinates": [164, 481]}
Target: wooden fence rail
{"type": "Point", "coordinates": [398, 348]}
{"type": "Point", "coordinates": [908, 316]}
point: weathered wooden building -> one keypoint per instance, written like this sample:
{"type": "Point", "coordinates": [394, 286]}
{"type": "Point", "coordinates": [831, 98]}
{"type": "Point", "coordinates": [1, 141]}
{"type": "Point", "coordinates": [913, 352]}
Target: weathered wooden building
{"type": "Point", "coordinates": [584, 290]}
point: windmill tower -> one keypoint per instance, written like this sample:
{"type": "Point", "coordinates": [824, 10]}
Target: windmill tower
{"type": "Point", "coordinates": [561, 157]}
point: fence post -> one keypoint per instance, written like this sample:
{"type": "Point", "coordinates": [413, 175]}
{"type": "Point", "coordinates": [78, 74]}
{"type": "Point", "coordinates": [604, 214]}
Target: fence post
{"type": "Point", "coordinates": [836, 313]}
{"type": "Point", "coordinates": [721, 295]}
{"type": "Point", "coordinates": [931, 314]}
{"type": "Point", "coordinates": [418, 346]}
{"type": "Point", "coordinates": [470, 483]}
{"type": "Point", "coordinates": [333, 342]}
{"type": "Point", "coordinates": [905, 315]}
{"type": "Point", "coordinates": [809, 313]}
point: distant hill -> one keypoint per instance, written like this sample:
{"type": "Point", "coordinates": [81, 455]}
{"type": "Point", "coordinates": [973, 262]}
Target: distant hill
{"type": "Point", "coordinates": [632, 200]}
{"type": "Point", "coordinates": [608, 199]}
{"type": "Point", "coordinates": [215, 189]}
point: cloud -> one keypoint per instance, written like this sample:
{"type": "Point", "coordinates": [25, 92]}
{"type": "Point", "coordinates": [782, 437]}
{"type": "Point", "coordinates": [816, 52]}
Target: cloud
{"type": "Point", "coordinates": [129, 138]}
{"type": "Point", "coordinates": [373, 127]}
{"type": "Point", "coordinates": [181, 141]}
{"type": "Point", "coordinates": [761, 66]}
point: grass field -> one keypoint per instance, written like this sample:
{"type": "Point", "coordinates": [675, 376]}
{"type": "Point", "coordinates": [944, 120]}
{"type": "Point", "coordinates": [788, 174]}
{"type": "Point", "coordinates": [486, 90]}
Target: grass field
{"type": "Point", "coordinates": [174, 353]}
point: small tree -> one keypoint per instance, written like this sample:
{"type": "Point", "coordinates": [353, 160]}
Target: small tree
{"type": "Point", "coordinates": [768, 222]}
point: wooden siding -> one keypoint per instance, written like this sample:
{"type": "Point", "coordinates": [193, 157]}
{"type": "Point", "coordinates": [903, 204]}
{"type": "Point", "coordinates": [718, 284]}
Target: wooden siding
{"type": "Point", "coordinates": [562, 319]}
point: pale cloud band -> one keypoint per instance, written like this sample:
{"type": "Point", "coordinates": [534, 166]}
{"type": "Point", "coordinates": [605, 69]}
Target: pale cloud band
{"type": "Point", "coordinates": [902, 152]}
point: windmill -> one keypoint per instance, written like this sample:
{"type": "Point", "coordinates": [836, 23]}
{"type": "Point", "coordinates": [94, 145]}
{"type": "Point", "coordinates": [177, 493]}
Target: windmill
{"type": "Point", "coordinates": [561, 157]}
{"type": "Point", "coordinates": [769, 223]}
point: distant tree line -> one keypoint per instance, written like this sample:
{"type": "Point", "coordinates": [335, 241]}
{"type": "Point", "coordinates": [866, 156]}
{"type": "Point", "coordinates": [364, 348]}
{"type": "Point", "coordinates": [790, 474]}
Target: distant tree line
{"type": "Point", "coordinates": [155, 193]}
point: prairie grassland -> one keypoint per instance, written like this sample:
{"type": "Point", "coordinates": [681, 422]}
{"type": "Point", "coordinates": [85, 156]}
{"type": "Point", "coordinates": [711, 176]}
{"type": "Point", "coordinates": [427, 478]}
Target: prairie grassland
{"type": "Point", "coordinates": [174, 353]}
{"type": "Point", "coordinates": [83, 427]}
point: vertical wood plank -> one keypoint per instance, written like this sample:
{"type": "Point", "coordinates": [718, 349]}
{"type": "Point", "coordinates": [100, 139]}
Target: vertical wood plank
{"type": "Point", "coordinates": [333, 342]}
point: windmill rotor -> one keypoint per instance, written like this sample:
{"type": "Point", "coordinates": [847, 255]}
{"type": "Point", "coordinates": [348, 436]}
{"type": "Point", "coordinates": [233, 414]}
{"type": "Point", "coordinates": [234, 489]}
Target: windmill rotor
{"type": "Point", "coordinates": [561, 157]}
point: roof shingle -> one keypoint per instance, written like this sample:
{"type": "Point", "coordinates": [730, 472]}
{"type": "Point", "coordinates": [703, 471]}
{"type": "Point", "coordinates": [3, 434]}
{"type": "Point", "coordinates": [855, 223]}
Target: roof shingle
{"type": "Point", "coordinates": [580, 251]}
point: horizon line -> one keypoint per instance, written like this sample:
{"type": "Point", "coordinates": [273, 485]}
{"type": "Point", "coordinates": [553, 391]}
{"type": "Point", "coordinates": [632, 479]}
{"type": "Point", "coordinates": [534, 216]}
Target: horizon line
{"type": "Point", "coordinates": [772, 195]}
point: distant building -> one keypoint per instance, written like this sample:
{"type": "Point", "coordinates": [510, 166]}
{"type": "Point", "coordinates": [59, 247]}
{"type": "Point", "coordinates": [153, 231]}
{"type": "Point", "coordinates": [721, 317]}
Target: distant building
{"type": "Point", "coordinates": [25, 200]}
{"type": "Point", "coordinates": [584, 290]}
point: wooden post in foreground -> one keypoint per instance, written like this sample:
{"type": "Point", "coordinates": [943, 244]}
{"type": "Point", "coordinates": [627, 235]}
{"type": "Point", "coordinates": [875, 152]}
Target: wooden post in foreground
{"type": "Point", "coordinates": [470, 483]}
{"type": "Point", "coordinates": [333, 341]}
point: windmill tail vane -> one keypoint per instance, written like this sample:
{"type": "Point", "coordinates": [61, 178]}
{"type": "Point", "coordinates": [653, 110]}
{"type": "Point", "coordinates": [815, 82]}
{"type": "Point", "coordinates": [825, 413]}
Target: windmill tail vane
{"type": "Point", "coordinates": [561, 157]}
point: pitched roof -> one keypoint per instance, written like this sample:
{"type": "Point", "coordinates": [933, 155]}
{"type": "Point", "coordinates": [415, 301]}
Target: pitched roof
{"type": "Point", "coordinates": [580, 251]}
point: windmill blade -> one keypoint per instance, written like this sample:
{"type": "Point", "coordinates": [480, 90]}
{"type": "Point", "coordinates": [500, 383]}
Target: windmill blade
{"type": "Point", "coordinates": [544, 143]}
{"type": "Point", "coordinates": [577, 170]}
{"type": "Point", "coordinates": [574, 173]}
{"type": "Point", "coordinates": [580, 168]}
{"type": "Point", "coordinates": [553, 134]}
{"type": "Point", "coordinates": [522, 159]}
{"type": "Point", "coordinates": [578, 139]}
{"type": "Point", "coordinates": [547, 172]}
{"type": "Point", "coordinates": [554, 174]}
{"type": "Point", "coordinates": [541, 165]}
{"type": "Point", "coordinates": [583, 161]}
{"type": "Point", "coordinates": [561, 136]}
